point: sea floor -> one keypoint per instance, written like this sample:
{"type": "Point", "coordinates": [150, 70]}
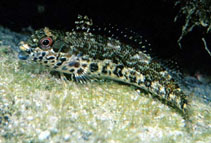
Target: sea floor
{"type": "Point", "coordinates": [38, 107]}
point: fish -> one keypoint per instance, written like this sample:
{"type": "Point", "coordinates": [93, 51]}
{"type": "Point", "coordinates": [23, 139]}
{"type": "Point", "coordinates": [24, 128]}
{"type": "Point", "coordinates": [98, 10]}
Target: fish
{"type": "Point", "coordinates": [85, 54]}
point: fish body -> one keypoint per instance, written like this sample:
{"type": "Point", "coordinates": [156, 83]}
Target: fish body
{"type": "Point", "coordinates": [84, 55]}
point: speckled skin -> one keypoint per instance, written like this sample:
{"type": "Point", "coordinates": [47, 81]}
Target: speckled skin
{"type": "Point", "coordinates": [84, 56]}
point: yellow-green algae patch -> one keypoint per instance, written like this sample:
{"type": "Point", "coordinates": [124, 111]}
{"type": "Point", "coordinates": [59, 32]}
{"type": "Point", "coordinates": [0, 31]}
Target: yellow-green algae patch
{"type": "Point", "coordinates": [43, 108]}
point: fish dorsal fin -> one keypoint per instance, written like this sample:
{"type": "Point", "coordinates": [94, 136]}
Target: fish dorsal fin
{"type": "Point", "coordinates": [83, 23]}
{"type": "Point", "coordinates": [124, 35]}
{"type": "Point", "coordinates": [127, 36]}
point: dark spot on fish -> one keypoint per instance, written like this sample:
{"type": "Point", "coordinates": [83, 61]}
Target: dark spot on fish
{"type": "Point", "coordinates": [80, 71]}
{"type": "Point", "coordinates": [104, 69]}
{"type": "Point", "coordinates": [35, 59]}
{"type": "Point", "coordinates": [147, 83]}
{"type": "Point", "coordinates": [132, 72]}
{"type": "Point", "coordinates": [75, 64]}
{"type": "Point", "coordinates": [50, 58]}
{"type": "Point", "coordinates": [40, 58]}
{"type": "Point", "coordinates": [43, 54]}
{"type": "Point", "coordinates": [45, 62]}
{"type": "Point", "coordinates": [63, 59]}
{"type": "Point", "coordinates": [93, 67]}
{"type": "Point", "coordinates": [55, 67]}
{"type": "Point", "coordinates": [84, 65]}
{"type": "Point", "coordinates": [59, 63]}
{"type": "Point", "coordinates": [86, 58]}
{"type": "Point", "coordinates": [64, 68]}
{"type": "Point", "coordinates": [72, 70]}
{"type": "Point", "coordinates": [132, 78]}
{"type": "Point", "coordinates": [118, 70]}
{"type": "Point", "coordinates": [139, 82]}
{"type": "Point", "coordinates": [71, 64]}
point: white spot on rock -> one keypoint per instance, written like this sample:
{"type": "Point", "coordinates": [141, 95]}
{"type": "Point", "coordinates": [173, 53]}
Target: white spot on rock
{"type": "Point", "coordinates": [44, 135]}
{"type": "Point", "coordinates": [66, 137]}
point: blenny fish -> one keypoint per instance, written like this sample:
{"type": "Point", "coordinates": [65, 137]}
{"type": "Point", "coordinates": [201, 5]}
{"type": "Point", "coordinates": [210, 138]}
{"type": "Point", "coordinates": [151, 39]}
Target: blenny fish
{"type": "Point", "coordinates": [84, 55]}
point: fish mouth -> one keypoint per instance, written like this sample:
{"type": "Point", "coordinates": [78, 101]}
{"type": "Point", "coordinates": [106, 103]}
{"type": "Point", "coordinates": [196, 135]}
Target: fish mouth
{"type": "Point", "coordinates": [24, 51]}
{"type": "Point", "coordinates": [23, 56]}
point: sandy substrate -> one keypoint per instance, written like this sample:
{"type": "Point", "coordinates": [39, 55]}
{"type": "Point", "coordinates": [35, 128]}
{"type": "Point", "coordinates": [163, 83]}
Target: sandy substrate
{"type": "Point", "coordinates": [38, 107]}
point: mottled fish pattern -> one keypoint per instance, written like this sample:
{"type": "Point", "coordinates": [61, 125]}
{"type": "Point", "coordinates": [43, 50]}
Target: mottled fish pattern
{"type": "Point", "coordinates": [84, 55]}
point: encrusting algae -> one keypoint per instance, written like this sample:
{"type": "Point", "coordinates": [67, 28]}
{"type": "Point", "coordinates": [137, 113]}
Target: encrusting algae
{"type": "Point", "coordinates": [85, 56]}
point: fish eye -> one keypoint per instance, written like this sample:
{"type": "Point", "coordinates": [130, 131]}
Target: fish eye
{"type": "Point", "coordinates": [46, 42]}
